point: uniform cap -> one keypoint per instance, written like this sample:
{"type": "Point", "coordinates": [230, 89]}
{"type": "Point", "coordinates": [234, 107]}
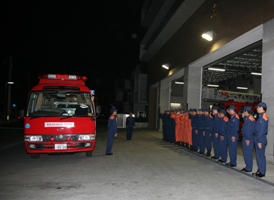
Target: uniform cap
{"type": "Point", "coordinates": [232, 107]}
{"type": "Point", "coordinates": [206, 110]}
{"type": "Point", "coordinates": [261, 104]}
{"type": "Point", "coordinates": [112, 110]}
{"type": "Point", "coordinates": [247, 108]}
{"type": "Point", "coordinates": [215, 108]}
{"type": "Point", "coordinates": [200, 109]}
{"type": "Point", "coordinates": [194, 110]}
{"type": "Point", "coordinates": [223, 111]}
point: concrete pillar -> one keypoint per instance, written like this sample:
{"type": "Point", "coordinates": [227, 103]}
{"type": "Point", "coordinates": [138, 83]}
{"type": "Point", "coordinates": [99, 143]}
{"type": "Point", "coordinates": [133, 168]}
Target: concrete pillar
{"type": "Point", "coordinates": [153, 108]}
{"type": "Point", "coordinates": [192, 87]}
{"type": "Point", "coordinates": [164, 98]}
{"type": "Point", "coordinates": [268, 82]}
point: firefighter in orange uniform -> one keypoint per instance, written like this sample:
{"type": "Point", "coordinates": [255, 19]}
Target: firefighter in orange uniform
{"type": "Point", "coordinates": [181, 119]}
{"type": "Point", "coordinates": [173, 126]}
{"type": "Point", "coordinates": [177, 129]}
{"type": "Point", "coordinates": [184, 136]}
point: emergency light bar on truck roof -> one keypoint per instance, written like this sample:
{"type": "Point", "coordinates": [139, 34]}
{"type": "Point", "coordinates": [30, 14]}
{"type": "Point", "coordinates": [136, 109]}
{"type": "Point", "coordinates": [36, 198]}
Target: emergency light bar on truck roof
{"type": "Point", "coordinates": [62, 77]}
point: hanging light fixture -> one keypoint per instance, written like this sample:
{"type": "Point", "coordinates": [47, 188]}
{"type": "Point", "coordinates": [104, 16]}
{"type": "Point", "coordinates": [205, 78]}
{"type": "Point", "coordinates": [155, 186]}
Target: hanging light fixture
{"type": "Point", "coordinates": [212, 85]}
{"type": "Point", "coordinates": [208, 35]}
{"type": "Point", "coordinates": [256, 73]}
{"type": "Point", "coordinates": [179, 82]}
{"type": "Point", "coordinates": [166, 66]}
{"type": "Point", "coordinates": [242, 88]}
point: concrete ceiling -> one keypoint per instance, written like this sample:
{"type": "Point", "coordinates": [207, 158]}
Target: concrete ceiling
{"type": "Point", "coordinates": [171, 16]}
{"type": "Point", "coordinates": [240, 63]}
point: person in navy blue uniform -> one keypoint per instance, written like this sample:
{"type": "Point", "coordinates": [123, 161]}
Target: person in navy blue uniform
{"type": "Point", "coordinates": [261, 129]}
{"type": "Point", "coordinates": [194, 124]}
{"type": "Point", "coordinates": [248, 131]}
{"type": "Point", "coordinates": [112, 131]}
{"type": "Point", "coordinates": [215, 135]}
{"type": "Point", "coordinates": [166, 124]}
{"type": "Point", "coordinates": [163, 125]}
{"type": "Point", "coordinates": [130, 123]}
{"type": "Point", "coordinates": [208, 127]}
{"type": "Point", "coordinates": [222, 132]}
{"type": "Point", "coordinates": [201, 133]}
{"type": "Point", "coordinates": [233, 136]}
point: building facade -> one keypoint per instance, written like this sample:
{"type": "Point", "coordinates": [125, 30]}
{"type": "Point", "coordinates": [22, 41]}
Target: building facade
{"type": "Point", "coordinates": [243, 42]}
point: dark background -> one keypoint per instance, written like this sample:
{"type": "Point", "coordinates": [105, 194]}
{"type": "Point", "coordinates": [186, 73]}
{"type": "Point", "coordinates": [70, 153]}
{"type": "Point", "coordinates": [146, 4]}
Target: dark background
{"type": "Point", "coordinates": [96, 38]}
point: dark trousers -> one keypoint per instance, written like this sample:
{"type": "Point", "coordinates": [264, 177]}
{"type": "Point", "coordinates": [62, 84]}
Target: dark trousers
{"type": "Point", "coordinates": [260, 155]}
{"type": "Point", "coordinates": [233, 149]}
{"type": "Point", "coordinates": [110, 141]}
{"type": "Point", "coordinates": [248, 153]}
{"type": "Point", "coordinates": [208, 140]}
{"type": "Point", "coordinates": [172, 135]}
{"type": "Point", "coordinates": [216, 145]}
{"type": "Point", "coordinates": [129, 132]}
{"type": "Point", "coordinates": [201, 140]}
{"type": "Point", "coordinates": [194, 140]}
{"type": "Point", "coordinates": [223, 148]}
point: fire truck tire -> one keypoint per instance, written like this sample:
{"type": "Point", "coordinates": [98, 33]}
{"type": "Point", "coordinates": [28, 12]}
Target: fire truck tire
{"type": "Point", "coordinates": [88, 153]}
{"type": "Point", "coordinates": [34, 156]}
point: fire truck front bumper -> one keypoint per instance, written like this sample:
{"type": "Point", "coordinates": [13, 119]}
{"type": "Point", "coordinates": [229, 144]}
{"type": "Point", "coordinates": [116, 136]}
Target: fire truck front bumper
{"type": "Point", "coordinates": [59, 147]}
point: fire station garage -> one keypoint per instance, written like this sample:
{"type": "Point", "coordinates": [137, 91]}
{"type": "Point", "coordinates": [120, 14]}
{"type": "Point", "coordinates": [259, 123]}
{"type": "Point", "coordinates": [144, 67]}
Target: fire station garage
{"type": "Point", "coordinates": [199, 53]}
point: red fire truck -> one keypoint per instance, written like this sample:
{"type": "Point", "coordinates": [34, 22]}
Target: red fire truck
{"type": "Point", "coordinates": [60, 116]}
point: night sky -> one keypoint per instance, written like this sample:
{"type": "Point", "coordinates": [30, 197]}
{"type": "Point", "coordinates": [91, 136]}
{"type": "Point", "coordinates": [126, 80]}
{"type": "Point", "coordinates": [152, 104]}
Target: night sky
{"type": "Point", "coordinates": [96, 38]}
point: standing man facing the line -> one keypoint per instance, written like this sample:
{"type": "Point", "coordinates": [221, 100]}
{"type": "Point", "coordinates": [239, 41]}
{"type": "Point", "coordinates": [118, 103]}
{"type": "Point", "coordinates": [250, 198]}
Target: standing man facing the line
{"type": "Point", "coordinates": [112, 130]}
{"type": "Point", "coordinates": [130, 124]}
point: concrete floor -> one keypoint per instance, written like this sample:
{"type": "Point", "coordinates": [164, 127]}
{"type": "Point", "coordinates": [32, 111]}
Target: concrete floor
{"type": "Point", "coordinates": [144, 168]}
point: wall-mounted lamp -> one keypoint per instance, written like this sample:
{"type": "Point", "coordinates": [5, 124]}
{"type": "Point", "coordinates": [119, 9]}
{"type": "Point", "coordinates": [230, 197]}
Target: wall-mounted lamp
{"type": "Point", "coordinates": [256, 73]}
{"type": "Point", "coordinates": [179, 83]}
{"type": "Point", "coordinates": [208, 35]}
{"type": "Point", "coordinates": [242, 88]}
{"type": "Point", "coordinates": [211, 85]}
{"type": "Point", "coordinates": [166, 66]}
{"type": "Point", "coordinates": [216, 69]}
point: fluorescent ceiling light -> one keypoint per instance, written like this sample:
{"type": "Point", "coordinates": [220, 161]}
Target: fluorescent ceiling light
{"type": "Point", "coordinates": [10, 83]}
{"type": "Point", "coordinates": [180, 83]}
{"type": "Point", "coordinates": [216, 69]}
{"type": "Point", "coordinates": [256, 73]}
{"type": "Point", "coordinates": [165, 66]}
{"type": "Point", "coordinates": [175, 104]}
{"type": "Point", "coordinates": [211, 85]}
{"type": "Point", "coordinates": [242, 88]}
{"type": "Point", "coordinates": [208, 35]}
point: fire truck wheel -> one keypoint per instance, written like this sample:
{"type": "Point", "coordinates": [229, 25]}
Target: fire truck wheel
{"type": "Point", "coordinates": [88, 153]}
{"type": "Point", "coordinates": [34, 156]}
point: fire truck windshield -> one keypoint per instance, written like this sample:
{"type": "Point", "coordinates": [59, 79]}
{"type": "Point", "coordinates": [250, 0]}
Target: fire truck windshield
{"type": "Point", "coordinates": [59, 103]}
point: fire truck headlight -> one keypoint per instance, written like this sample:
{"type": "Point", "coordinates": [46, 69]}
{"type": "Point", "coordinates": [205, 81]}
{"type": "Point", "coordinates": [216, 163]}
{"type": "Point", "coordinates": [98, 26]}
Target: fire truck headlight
{"type": "Point", "coordinates": [34, 138]}
{"type": "Point", "coordinates": [86, 137]}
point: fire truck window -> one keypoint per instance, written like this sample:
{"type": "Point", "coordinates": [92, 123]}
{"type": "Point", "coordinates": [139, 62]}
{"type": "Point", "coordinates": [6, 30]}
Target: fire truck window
{"type": "Point", "coordinates": [39, 101]}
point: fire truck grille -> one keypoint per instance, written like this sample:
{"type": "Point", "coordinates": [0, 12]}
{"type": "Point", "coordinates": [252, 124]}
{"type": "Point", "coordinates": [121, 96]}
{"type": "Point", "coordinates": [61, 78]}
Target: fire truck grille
{"type": "Point", "coordinates": [47, 138]}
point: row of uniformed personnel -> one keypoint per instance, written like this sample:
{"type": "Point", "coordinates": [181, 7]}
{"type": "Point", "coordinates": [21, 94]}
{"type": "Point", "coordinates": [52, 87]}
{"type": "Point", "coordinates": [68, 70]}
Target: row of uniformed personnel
{"type": "Point", "coordinates": [198, 129]}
